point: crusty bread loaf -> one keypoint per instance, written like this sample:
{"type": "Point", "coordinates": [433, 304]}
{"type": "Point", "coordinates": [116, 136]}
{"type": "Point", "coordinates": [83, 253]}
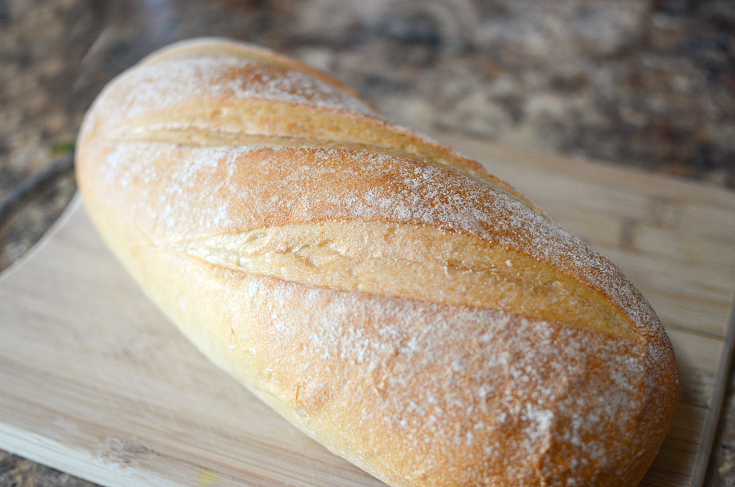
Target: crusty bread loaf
{"type": "Point", "coordinates": [386, 295]}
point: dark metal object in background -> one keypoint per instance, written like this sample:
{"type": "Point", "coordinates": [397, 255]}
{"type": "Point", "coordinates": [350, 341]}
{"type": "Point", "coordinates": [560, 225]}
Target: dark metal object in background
{"type": "Point", "coordinates": [33, 207]}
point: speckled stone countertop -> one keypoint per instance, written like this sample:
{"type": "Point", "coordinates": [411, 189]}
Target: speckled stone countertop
{"type": "Point", "coordinates": [649, 83]}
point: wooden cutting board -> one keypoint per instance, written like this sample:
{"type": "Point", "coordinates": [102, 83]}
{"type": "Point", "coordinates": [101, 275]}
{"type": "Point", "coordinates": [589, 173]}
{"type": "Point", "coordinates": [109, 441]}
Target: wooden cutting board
{"type": "Point", "coordinates": [94, 381]}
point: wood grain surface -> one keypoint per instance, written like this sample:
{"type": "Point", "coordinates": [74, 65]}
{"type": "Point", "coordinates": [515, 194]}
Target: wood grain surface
{"type": "Point", "coordinates": [94, 380]}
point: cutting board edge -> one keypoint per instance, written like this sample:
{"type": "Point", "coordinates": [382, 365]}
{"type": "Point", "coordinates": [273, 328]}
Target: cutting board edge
{"type": "Point", "coordinates": [709, 432]}
{"type": "Point", "coordinates": [67, 459]}
{"type": "Point", "coordinates": [60, 223]}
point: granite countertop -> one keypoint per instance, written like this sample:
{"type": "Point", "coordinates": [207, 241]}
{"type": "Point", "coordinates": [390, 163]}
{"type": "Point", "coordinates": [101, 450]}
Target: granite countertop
{"type": "Point", "coordinates": [649, 83]}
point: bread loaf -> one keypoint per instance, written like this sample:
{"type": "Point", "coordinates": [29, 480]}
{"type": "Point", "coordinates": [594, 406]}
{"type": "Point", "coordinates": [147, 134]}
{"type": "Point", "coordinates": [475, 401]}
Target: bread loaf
{"type": "Point", "coordinates": [386, 295]}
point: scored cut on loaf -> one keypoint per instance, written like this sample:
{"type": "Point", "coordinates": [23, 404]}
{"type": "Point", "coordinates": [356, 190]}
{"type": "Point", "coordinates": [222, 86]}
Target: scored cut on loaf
{"type": "Point", "coordinates": [386, 295]}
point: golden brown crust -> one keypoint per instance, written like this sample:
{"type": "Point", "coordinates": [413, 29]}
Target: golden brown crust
{"type": "Point", "coordinates": [306, 246]}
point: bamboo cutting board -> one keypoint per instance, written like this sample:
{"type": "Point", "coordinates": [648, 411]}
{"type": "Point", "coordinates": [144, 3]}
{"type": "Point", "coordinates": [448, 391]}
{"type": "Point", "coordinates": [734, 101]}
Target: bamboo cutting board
{"type": "Point", "coordinates": [94, 381]}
